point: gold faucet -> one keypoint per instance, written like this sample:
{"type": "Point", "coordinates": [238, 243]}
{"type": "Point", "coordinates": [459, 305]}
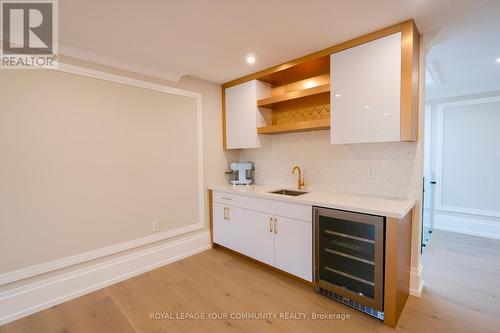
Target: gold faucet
{"type": "Point", "coordinates": [300, 181]}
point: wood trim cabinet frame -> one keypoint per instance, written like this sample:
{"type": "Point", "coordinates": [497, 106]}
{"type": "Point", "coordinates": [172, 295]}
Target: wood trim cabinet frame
{"type": "Point", "coordinates": [409, 73]}
{"type": "Point", "coordinates": [397, 267]}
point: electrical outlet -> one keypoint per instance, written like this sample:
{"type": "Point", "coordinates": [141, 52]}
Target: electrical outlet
{"type": "Point", "coordinates": [156, 225]}
{"type": "Point", "coordinates": [371, 172]}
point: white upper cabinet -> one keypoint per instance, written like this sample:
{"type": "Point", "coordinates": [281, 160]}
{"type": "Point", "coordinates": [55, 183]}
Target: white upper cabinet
{"type": "Point", "coordinates": [366, 92]}
{"type": "Point", "coordinates": [242, 114]}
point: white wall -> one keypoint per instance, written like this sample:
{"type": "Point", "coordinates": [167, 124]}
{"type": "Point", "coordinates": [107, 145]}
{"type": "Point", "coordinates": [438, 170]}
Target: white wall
{"type": "Point", "coordinates": [465, 159]}
{"type": "Point", "coordinates": [88, 163]}
{"type": "Point", "coordinates": [427, 139]}
{"type": "Point", "coordinates": [45, 282]}
{"type": "Point", "coordinates": [470, 156]}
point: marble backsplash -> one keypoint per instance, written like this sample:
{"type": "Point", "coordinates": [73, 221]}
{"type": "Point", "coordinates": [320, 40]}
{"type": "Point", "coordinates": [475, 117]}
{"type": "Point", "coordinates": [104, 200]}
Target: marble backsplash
{"type": "Point", "coordinates": [375, 169]}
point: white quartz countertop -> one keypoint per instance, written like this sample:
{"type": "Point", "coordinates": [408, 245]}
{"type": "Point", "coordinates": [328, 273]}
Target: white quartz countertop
{"type": "Point", "coordinates": [396, 208]}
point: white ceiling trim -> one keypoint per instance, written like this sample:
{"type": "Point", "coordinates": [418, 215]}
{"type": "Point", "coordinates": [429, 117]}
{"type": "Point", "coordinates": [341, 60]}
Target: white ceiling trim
{"type": "Point", "coordinates": [435, 97]}
{"type": "Point", "coordinates": [435, 73]}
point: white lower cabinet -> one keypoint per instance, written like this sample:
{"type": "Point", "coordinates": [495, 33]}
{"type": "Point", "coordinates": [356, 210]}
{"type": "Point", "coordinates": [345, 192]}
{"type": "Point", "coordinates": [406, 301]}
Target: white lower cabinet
{"type": "Point", "coordinates": [279, 241]}
{"type": "Point", "coordinates": [228, 221]}
{"type": "Point", "coordinates": [258, 237]}
{"type": "Point", "coordinates": [220, 226]}
{"type": "Point", "coordinates": [293, 247]}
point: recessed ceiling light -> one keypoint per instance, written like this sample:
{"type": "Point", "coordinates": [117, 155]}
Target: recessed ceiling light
{"type": "Point", "coordinates": [338, 95]}
{"type": "Point", "coordinates": [250, 59]}
{"type": "Point", "coordinates": [498, 60]}
{"type": "Point", "coordinates": [366, 107]}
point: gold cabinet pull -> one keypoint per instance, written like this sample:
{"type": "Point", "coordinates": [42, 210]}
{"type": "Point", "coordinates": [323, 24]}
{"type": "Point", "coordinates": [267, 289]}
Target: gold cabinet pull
{"type": "Point", "coordinates": [270, 224]}
{"type": "Point", "coordinates": [275, 228]}
{"type": "Point", "coordinates": [228, 217]}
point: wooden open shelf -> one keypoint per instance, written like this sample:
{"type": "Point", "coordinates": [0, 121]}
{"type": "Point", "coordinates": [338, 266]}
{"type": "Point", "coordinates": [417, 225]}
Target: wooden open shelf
{"type": "Point", "coordinates": [296, 70]}
{"type": "Point", "coordinates": [273, 101]}
{"type": "Point", "coordinates": [309, 125]}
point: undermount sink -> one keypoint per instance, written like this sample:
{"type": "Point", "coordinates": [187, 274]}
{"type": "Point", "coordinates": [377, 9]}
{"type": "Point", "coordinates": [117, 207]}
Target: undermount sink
{"type": "Point", "coordinates": [289, 192]}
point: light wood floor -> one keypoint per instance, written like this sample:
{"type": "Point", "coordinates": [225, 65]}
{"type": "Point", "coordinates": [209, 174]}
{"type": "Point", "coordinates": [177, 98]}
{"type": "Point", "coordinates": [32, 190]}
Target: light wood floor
{"type": "Point", "coordinates": [462, 294]}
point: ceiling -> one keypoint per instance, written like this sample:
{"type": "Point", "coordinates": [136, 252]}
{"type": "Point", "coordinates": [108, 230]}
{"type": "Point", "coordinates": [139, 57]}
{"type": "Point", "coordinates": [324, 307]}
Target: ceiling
{"type": "Point", "coordinates": [211, 39]}
{"type": "Point", "coordinates": [462, 56]}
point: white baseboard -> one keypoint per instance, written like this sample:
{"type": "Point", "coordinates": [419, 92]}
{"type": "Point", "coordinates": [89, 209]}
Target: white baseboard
{"type": "Point", "coordinates": [49, 266]}
{"type": "Point", "coordinates": [416, 281]}
{"type": "Point", "coordinates": [469, 224]}
{"type": "Point", "coordinates": [28, 299]}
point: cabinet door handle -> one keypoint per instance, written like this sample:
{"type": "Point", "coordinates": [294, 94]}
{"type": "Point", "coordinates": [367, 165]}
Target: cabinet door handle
{"type": "Point", "coordinates": [226, 198]}
{"type": "Point", "coordinates": [225, 216]}
{"type": "Point", "coordinates": [275, 227]}
{"type": "Point", "coordinates": [270, 224]}
{"type": "Point", "coordinates": [228, 217]}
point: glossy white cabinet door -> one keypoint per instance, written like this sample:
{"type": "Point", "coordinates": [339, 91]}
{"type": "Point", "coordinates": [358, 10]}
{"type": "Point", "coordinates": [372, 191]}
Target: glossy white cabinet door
{"type": "Point", "coordinates": [293, 247]}
{"type": "Point", "coordinates": [242, 114]}
{"type": "Point", "coordinates": [228, 222]}
{"type": "Point", "coordinates": [258, 237]}
{"type": "Point", "coordinates": [236, 221]}
{"type": "Point", "coordinates": [365, 92]}
{"type": "Point", "coordinates": [221, 227]}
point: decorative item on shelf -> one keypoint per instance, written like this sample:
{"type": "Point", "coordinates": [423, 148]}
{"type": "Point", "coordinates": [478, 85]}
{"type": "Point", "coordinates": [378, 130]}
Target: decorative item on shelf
{"type": "Point", "coordinates": [325, 112]}
{"type": "Point", "coordinates": [316, 112]}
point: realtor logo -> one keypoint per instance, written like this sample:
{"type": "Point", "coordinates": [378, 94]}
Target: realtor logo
{"type": "Point", "coordinates": [29, 34]}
